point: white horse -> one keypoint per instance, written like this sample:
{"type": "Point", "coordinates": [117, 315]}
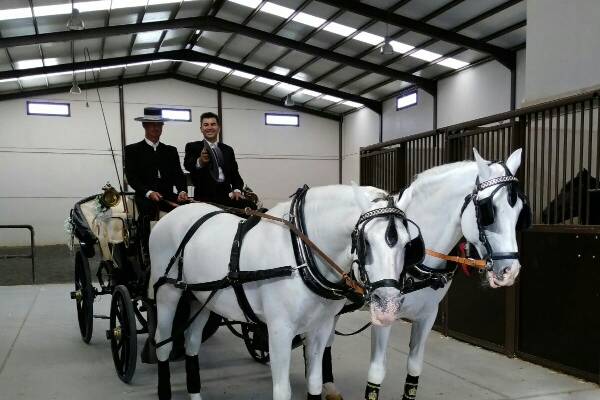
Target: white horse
{"type": "Point", "coordinates": [286, 305]}
{"type": "Point", "coordinates": [436, 201]}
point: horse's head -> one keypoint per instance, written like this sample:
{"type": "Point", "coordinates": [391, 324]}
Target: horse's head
{"type": "Point", "coordinates": [492, 214]}
{"type": "Point", "coordinates": [566, 206]}
{"type": "Point", "coordinates": [385, 240]}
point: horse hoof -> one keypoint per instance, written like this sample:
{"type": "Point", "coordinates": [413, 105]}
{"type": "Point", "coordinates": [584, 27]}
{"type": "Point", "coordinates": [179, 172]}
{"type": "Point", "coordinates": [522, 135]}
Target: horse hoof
{"type": "Point", "coordinates": [334, 397]}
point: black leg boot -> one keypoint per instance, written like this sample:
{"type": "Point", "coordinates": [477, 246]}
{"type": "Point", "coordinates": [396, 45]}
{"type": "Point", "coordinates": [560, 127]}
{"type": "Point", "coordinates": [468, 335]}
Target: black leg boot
{"type": "Point", "coordinates": [192, 374]}
{"type": "Point", "coordinates": [327, 366]}
{"type": "Point", "coordinates": [372, 391]}
{"type": "Point", "coordinates": [164, 381]}
{"type": "Point", "coordinates": [313, 397]}
{"type": "Point", "coordinates": [410, 387]}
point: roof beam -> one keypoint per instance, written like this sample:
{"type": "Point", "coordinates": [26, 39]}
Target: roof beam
{"type": "Point", "coordinates": [506, 57]}
{"type": "Point", "coordinates": [154, 77]}
{"type": "Point", "coordinates": [218, 25]}
{"type": "Point", "coordinates": [188, 55]}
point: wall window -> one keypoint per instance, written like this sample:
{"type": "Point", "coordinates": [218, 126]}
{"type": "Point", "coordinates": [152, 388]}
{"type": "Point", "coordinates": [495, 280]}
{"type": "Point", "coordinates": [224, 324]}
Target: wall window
{"type": "Point", "coordinates": [177, 114]}
{"type": "Point", "coordinates": [407, 99]}
{"type": "Point", "coordinates": [47, 108]}
{"type": "Point", "coordinates": [282, 119]}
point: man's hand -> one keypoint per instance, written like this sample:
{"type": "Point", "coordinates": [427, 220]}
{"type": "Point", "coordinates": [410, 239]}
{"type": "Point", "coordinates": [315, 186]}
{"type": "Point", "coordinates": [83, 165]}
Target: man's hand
{"type": "Point", "coordinates": [182, 197]}
{"type": "Point", "coordinates": [155, 196]}
{"type": "Point", "coordinates": [235, 195]}
{"type": "Point", "coordinates": [204, 158]}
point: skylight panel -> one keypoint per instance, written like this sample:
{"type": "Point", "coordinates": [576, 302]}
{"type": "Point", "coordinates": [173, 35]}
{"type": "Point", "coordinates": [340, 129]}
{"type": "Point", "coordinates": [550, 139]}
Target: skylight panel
{"type": "Point", "coordinates": [220, 68]}
{"type": "Point", "coordinates": [369, 38]}
{"type": "Point", "coordinates": [243, 74]}
{"type": "Point", "coordinates": [25, 64]}
{"type": "Point", "coordinates": [406, 100]}
{"type": "Point", "coordinates": [280, 70]}
{"type": "Point", "coordinates": [332, 98]}
{"type": "Point", "coordinates": [288, 86]}
{"type": "Point", "coordinates": [309, 92]}
{"type": "Point", "coordinates": [426, 55]}
{"type": "Point", "coordinates": [453, 63]}
{"type": "Point", "coordinates": [282, 119]}
{"type": "Point", "coordinates": [15, 13]}
{"type": "Point", "coordinates": [309, 20]}
{"type": "Point", "coordinates": [46, 108]}
{"type": "Point", "coordinates": [247, 3]}
{"type": "Point", "coordinates": [55, 9]}
{"type": "Point", "coordinates": [128, 3]}
{"type": "Point", "coordinates": [301, 75]}
{"type": "Point", "coordinates": [266, 81]}
{"type": "Point", "coordinates": [89, 6]}
{"type": "Point", "coordinates": [276, 9]}
{"type": "Point", "coordinates": [339, 29]}
{"type": "Point", "coordinates": [352, 104]}
{"type": "Point", "coordinates": [8, 80]}
{"type": "Point", "coordinates": [401, 47]}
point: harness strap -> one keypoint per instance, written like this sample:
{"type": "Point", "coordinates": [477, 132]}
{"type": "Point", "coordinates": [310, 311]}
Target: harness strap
{"type": "Point", "coordinates": [368, 324]}
{"type": "Point", "coordinates": [479, 264]}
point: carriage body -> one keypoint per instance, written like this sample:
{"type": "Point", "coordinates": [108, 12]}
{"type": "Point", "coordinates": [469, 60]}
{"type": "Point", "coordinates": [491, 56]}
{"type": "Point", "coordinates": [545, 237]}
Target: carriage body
{"type": "Point", "coordinates": [106, 228]}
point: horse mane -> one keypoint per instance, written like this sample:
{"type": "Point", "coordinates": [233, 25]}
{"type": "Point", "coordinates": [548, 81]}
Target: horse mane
{"type": "Point", "coordinates": [438, 172]}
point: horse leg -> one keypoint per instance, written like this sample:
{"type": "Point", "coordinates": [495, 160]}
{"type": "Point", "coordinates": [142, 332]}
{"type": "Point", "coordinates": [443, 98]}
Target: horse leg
{"type": "Point", "coordinates": [380, 336]}
{"type": "Point", "coordinates": [193, 340]}
{"type": "Point", "coordinates": [331, 391]}
{"type": "Point", "coordinates": [280, 352]}
{"type": "Point", "coordinates": [167, 298]}
{"type": "Point", "coordinates": [316, 341]}
{"type": "Point", "coordinates": [418, 337]}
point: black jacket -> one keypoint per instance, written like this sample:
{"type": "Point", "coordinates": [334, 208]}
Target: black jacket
{"type": "Point", "coordinates": [142, 165]}
{"type": "Point", "coordinates": [205, 186]}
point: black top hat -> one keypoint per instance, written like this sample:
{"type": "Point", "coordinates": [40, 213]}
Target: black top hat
{"type": "Point", "coordinates": [152, 114]}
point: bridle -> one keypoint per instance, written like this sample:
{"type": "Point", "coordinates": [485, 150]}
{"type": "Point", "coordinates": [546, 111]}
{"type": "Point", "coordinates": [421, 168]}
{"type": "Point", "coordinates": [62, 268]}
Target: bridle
{"type": "Point", "coordinates": [333, 290]}
{"type": "Point", "coordinates": [484, 213]}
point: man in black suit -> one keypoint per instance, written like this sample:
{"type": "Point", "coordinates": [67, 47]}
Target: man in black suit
{"type": "Point", "coordinates": [153, 169]}
{"type": "Point", "coordinates": [213, 168]}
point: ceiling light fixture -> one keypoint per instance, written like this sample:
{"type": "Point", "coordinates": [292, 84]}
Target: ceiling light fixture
{"type": "Point", "coordinates": [75, 22]}
{"type": "Point", "coordinates": [289, 101]}
{"type": "Point", "coordinates": [387, 49]}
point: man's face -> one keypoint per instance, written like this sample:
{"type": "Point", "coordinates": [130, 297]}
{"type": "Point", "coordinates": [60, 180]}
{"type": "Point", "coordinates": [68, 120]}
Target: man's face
{"type": "Point", "coordinates": [153, 130]}
{"type": "Point", "coordinates": [210, 129]}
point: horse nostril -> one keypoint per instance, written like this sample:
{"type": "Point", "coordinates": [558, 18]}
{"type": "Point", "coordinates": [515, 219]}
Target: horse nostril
{"type": "Point", "coordinates": [506, 270]}
{"type": "Point", "coordinates": [376, 298]}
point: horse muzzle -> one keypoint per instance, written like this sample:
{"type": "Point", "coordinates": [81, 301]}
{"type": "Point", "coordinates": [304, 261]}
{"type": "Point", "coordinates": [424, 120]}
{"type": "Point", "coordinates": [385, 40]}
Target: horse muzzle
{"type": "Point", "coordinates": [385, 306]}
{"type": "Point", "coordinates": [505, 277]}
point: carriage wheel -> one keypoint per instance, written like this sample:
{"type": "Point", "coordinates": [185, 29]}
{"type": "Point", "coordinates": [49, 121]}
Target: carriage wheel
{"type": "Point", "coordinates": [256, 341]}
{"type": "Point", "coordinates": [84, 296]}
{"type": "Point", "coordinates": [122, 333]}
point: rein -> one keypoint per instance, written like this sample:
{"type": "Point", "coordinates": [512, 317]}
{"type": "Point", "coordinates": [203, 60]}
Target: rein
{"type": "Point", "coordinates": [479, 264]}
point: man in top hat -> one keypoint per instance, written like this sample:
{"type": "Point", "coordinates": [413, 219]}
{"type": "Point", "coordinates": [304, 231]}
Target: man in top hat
{"type": "Point", "coordinates": [153, 169]}
{"type": "Point", "coordinates": [213, 168]}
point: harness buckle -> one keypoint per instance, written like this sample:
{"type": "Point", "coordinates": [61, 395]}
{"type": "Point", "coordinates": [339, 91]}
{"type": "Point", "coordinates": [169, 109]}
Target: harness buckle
{"type": "Point", "coordinates": [297, 267]}
{"type": "Point", "coordinates": [181, 285]}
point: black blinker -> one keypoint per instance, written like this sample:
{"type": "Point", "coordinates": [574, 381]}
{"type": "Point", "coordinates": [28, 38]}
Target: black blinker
{"type": "Point", "coordinates": [486, 211]}
{"type": "Point", "coordinates": [391, 234]}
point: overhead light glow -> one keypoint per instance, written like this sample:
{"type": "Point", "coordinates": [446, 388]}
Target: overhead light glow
{"type": "Point", "coordinates": [243, 74]}
{"type": "Point", "coordinates": [406, 100]}
{"type": "Point", "coordinates": [369, 38]}
{"type": "Point", "coordinates": [288, 87]}
{"type": "Point", "coordinates": [266, 81]}
{"type": "Point", "coordinates": [247, 3]}
{"type": "Point", "coordinates": [25, 64]}
{"type": "Point", "coordinates": [219, 68]}
{"type": "Point", "coordinates": [309, 20]}
{"type": "Point", "coordinates": [339, 29]}
{"type": "Point", "coordinates": [426, 55]}
{"type": "Point", "coordinates": [352, 104]}
{"type": "Point", "coordinates": [15, 13]}
{"type": "Point", "coordinates": [331, 98]}
{"type": "Point", "coordinates": [309, 92]}
{"type": "Point", "coordinates": [453, 63]}
{"type": "Point", "coordinates": [276, 9]}
{"type": "Point", "coordinates": [280, 70]}
{"type": "Point", "coordinates": [401, 47]}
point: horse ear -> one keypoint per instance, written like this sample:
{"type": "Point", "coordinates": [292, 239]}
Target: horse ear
{"type": "Point", "coordinates": [361, 198]}
{"type": "Point", "coordinates": [514, 161]}
{"type": "Point", "coordinates": [482, 165]}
